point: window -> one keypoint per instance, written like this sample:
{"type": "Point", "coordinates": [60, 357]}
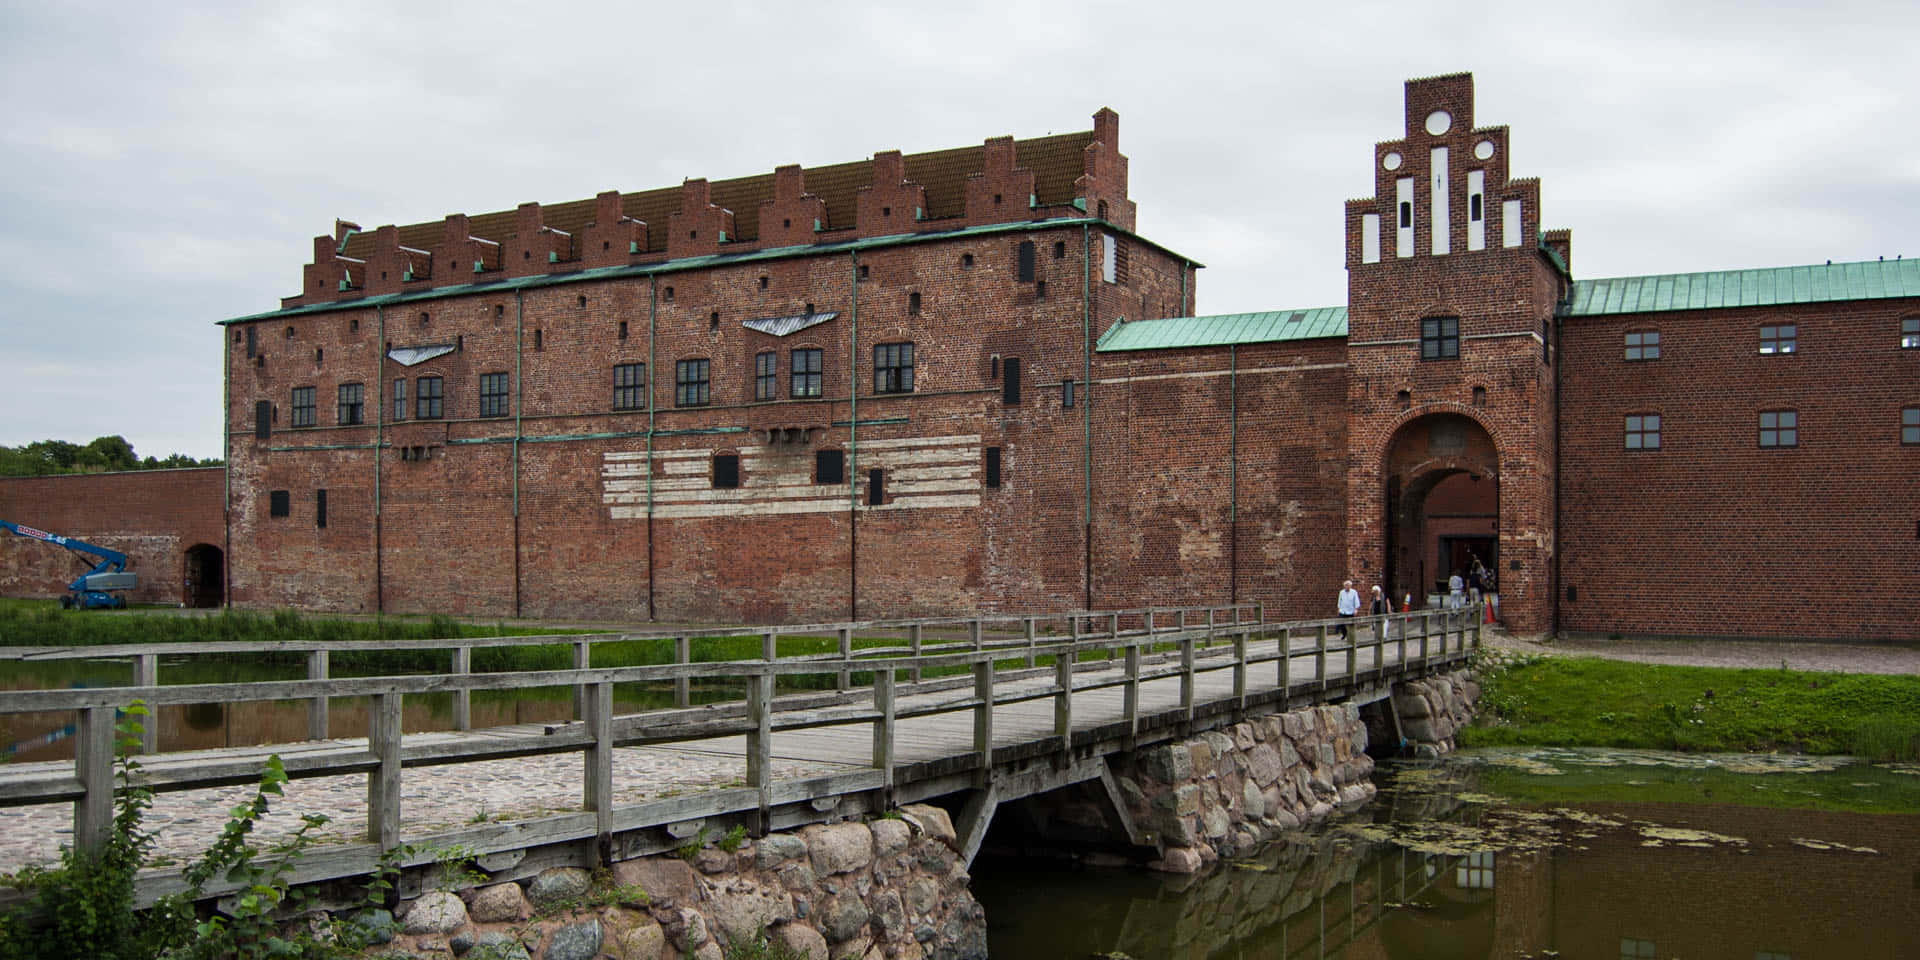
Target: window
{"type": "Point", "coordinates": [806, 373]}
{"type": "Point", "coordinates": [320, 508]}
{"type": "Point", "coordinates": [1910, 425]}
{"type": "Point", "coordinates": [893, 368]}
{"type": "Point", "coordinates": [629, 386]}
{"type": "Point", "coordinates": [993, 466]}
{"type": "Point", "coordinates": [876, 487]}
{"type": "Point", "coordinates": [829, 466]}
{"type": "Point", "coordinates": [1643, 345]}
{"type": "Point", "coordinates": [352, 404]}
{"type": "Point", "coordinates": [493, 394]}
{"type": "Point", "coordinates": [426, 398]}
{"type": "Point", "coordinates": [763, 376]}
{"type": "Point", "coordinates": [1026, 261]}
{"type": "Point", "coordinates": [1066, 393]}
{"type": "Point", "coordinates": [262, 419]}
{"type": "Point", "coordinates": [1778, 339]}
{"type": "Point", "coordinates": [726, 471]}
{"type": "Point", "coordinates": [303, 407]}
{"type": "Point", "coordinates": [1475, 872]}
{"type": "Point", "coordinates": [1633, 948]}
{"type": "Point", "coordinates": [1910, 333]}
{"type": "Point", "coordinates": [400, 399]}
{"type": "Point", "coordinates": [1010, 381]}
{"type": "Point", "coordinates": [1779, 428]}
{"type": "Point", "coordinates": [913, 303]}
{"type": "Point", "coordinates": [690, 386]}
{"type": "Point", "coordinates": [1643, 431]}
{"type": "Point", "coordinates": [279, 503]}
{"type": "Point", "coordinates": [1440, 338]}
{"type": "Point", "coordinates": [1059, 249]}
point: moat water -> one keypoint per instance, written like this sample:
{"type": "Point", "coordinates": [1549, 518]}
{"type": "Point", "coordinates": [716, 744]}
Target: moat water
{"type": "Point", "coordinates": [1583, 855]}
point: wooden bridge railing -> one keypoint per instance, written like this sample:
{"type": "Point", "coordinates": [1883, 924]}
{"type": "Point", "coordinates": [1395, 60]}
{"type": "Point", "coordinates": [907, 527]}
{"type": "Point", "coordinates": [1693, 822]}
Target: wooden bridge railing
{"type": "Point", "coordinates": [1112, 653]}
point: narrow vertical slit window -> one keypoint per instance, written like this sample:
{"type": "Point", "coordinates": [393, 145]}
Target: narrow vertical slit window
{"type": "Point", "coordinates": [992, 467]}
{"type": "Point", "coordinates": [1067, 393]}
{"type": "Point", "coordinates": [320, 509]}
{"type": "Point", "coordinates": [262, 419]}
{"type": "Point", "coordinates": [876, 487]}
{"type": "Point", "coordinates": [1025, 257]}
{"type": "Point", "coordinates": [400, 399]}
{"type": "Point", "coordinates": [1010, 381]}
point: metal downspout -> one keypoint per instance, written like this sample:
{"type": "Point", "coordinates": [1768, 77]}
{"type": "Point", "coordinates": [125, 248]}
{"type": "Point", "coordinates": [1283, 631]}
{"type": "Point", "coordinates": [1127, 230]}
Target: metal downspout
{"type": "Point", "coordinates": [1086, 412]}
{"type": "Point", "coordinates": [1559, 360]}
{"type": "Point", "coordinates": [653, 307]}
{"type": "Point", "coordinates": [379, 464]}
{"type": "Point", "coordinates": [519, 411]}
{"type": "Point", "coordinates": [226, 454]}
{"type": "Point", "coordinates": [1233, 471]}
{"type": "Point", "coordinates": [853, 442]}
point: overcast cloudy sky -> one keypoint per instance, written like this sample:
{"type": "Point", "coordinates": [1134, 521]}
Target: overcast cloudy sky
{"type": "Point", "coordinates": [165, 166]}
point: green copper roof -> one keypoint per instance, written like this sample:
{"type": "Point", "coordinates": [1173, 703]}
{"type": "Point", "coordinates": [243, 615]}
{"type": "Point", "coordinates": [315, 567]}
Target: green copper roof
{"type": "Point", "coordinates": [1267, 326]}
{"type": "Point", "coordinates": [1820, 283]}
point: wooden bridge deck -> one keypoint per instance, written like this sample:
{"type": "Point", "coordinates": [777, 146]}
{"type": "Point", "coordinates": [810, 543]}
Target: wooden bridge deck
{"type": "Point", "coordinates": [1003, 724]}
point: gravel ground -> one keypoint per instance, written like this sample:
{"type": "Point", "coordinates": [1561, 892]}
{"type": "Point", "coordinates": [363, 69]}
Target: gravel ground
{"type": "Point", "coordinates": [1825, 657]}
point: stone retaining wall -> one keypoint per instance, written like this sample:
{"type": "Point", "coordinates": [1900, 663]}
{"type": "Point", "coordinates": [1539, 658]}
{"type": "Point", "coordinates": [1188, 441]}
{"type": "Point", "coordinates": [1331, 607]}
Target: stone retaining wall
{"type": "Point", "coordinates": [1433, 709]}
{"type": "Point", "coordinates": [891, 889]}
{"type": "Point", "coordinates": [1225, 792]}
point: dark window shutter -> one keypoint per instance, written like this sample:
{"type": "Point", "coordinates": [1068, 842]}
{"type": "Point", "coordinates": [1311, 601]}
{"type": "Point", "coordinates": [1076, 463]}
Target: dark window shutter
{"type": "Point", "coordinates": [726, 470]}
{"type": "Point", "coordinates": [829, 466]}
{"type": "Point", "coordinates": [1010, 381]}
{"type": "Point", "coordinates": [993, 466]}
{"type": "Point", "coordinates": [1026, 261]}
{"type": "Point", "coordinates": [319, 508]}
{"type": "Point", "coordinates": [876, 487]}
{"type": "Point", "coordinates": [252, 344]}
{"type": "Point", "coordinates": [262, 419]}
{"type": "Point", "coordinates": [279, 504]}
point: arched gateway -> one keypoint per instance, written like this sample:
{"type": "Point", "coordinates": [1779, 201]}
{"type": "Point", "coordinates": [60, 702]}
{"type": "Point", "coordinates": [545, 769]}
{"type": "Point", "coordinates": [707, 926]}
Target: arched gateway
{"type": "Point", "coordinates": [1442, 477]}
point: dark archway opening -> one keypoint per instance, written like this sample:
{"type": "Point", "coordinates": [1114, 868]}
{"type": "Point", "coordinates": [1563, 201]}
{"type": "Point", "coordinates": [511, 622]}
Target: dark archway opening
{"type": "Point", "coordinates": [1443, 506]}
{"type": "Point", "coordinates": [205, 583]}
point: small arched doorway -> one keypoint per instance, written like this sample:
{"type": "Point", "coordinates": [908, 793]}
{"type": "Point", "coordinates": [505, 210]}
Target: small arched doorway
{"type": "Point", "coordinates": [205, 576]}
{"type": "Point", "coordinates": [1443, 504]}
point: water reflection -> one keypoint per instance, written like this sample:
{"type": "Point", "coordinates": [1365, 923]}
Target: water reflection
{"type": "Point", "coordinates": [1439, 866]}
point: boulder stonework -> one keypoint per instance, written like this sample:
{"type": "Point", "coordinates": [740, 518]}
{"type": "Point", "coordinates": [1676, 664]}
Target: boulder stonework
{"type": "Point", "coordinates": [893, 889]}
{"type": "Point", "coordinates": [1431, 710]}
{"type": "Point", "coordinates": [1222, 793]}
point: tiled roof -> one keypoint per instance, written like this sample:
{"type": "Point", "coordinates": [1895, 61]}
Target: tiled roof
{"type": "Point", "coordinates": [1228, 328]}
{"type": "Point", "coordinates": [1819, 283]}
{"type": "Point", "coordinates": [1056, 162]}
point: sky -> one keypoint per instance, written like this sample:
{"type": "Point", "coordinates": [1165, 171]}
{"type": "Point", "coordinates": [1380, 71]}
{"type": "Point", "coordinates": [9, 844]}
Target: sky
{"type": "Point", "coordinates": [166, 166]}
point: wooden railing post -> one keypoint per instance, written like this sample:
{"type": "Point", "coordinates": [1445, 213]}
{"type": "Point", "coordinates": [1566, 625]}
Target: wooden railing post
{"type": "Point", "coordinates": [1426, 627]}
{"type": "Point", "coordinates": [973, 634]}
{"type": "Point", "coordinates": [682, 685]}
{"type": "Point", "coordinates": [1240, 670]}
{"type": "Point", "coordinates": [599, 760]}
{"type": "Point", "coordinates": [1186, 676]}
{"type": "Point", "coordinates": [316, 707]}
{"type": "Point", "coordinates": [844, 679]}
{"type": "Point", "coordinates": [1479, 624]}
{"type": "Point", "coordinates": [1063, 698]}
{"type": "Point", "coordinates": [1379, 647]}
{"type": "Point", "coordinates": [463, 697]}
{"type": "Point", "coordinates": [983, 718]}
{"type": "Point", "coordinates": [914, 640]}
{"type": "Point", "coordinates": [883, 725]}
{"type": "Point", "coordinates": [1353, 652]}
{"type": "Point", "coordinates": [146, 673]}
{"type": "Point", "coordinates": [1210, 624]}
{"type": "Point", "coordinates": [1027, 624]}
{"type": "Point", "coordinates": [582, 659]}
{"type": "Point", "coordinates": [383, 782]}
{"type": "Point", "coordinates": [1131, 701]}
{"type": "Point", "coordinates": [93, 765]}
{"type": "Point", "coordinates": [1286, 665]}
{"type": "Point", "coordinates": [760, 737]}
{"type": "Point", "coordinates": [1113, 632]}
{"type": "Point", "coordinates": [1320, 655]}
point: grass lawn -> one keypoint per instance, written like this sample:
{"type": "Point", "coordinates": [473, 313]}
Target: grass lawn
{"type": "Point", "coordinates": [1590, 702]}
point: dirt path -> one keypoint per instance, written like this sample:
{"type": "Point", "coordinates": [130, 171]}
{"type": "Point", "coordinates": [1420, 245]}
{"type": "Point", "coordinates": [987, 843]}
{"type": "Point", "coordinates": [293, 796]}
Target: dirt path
{"type": "Point", "coordinates": [1825, 657]}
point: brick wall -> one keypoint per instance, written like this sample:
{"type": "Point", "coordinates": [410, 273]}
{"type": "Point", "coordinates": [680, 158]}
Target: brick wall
{"type": "Point", "coordinates": [152, 516]}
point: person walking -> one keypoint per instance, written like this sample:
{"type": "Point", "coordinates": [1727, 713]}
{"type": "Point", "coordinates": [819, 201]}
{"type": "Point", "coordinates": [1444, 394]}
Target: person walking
{"type": "Point", "coordinates": [1349, 604]}
{"type": "Point", "coordinates": [1379, 608]}
{"type": "Point", "coordinates": [1456, 592]}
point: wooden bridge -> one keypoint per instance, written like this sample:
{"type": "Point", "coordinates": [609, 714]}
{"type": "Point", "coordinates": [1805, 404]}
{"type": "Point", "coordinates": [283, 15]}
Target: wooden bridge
{"type": "Point", "coordinates": [990, 708]}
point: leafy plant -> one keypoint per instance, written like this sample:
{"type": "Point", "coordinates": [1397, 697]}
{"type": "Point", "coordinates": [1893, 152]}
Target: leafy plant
{"type": "Point", "coordinates": [734, 839]}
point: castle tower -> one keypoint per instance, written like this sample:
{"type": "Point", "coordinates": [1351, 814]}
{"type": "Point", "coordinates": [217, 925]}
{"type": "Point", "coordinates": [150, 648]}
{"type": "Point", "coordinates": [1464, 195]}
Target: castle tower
{"type": "Point", "coordinates": [1451, 295]}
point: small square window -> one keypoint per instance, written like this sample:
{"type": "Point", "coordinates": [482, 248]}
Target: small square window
{"type": "Point", "coordinates": [1910, 333]}
{"type": "Point", "coordinates": [1779, 338]}
{"type": "Point", "coordinates": [629, 386]}
{"type": "Point", "coordinates": [1440, 338]}
{"type": "Point", "coordinates": [726, 471]}
{"type": "Point", "coordinates": [1643, 431]}
{"type": "Point", "coordinates": [1633, 948]}
{"type": "Point", "coordinates": [1643, 345]}
{"type": "Point", "coordinates": [806, 373]}
{"type": "Point", "coordinates": [1779, 428]}
{"type": "Point", "coordinates": [764, 378]}
{"type": "Point", "coordinates": [493, 394]}
{"type": "Point", "coordinates": [1910, 425]}
{"type": "Point", "coordinates": [691, 387]}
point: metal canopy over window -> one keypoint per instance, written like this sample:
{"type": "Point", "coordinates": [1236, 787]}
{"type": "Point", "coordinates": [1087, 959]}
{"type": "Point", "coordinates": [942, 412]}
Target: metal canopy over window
{"type": "Point", "coordinates": [412, 356]}
{"type": "Point", "coordinates": [783, 326]}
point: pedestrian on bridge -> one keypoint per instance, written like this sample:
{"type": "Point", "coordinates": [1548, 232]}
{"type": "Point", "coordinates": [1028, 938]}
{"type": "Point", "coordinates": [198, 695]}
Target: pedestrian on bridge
{"type": "Point", "coordinates": [1349, 604]}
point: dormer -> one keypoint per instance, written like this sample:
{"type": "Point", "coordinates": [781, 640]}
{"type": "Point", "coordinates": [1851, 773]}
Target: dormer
{"type": "Point", "coordinates": [699, 228]}
{"type": "Point", "coordinates": [393, 267]}
{"type": "Point", "coordinates": [535, 247]}
{"type": "Point", "coordinates": [465, 255]}
{"type": "Point", "coordinates": [793, 216]}
{"type": "Point", "coordinates": [333, 275]}
{"type": "Point", "coordinates": [891, 204]}
{"type": "Point", "coordinates": [613, 238]}
{"type": "Point", "coordinates": [1000, 191]}
{"type": "Point", "coordinates": [1102, 185]}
